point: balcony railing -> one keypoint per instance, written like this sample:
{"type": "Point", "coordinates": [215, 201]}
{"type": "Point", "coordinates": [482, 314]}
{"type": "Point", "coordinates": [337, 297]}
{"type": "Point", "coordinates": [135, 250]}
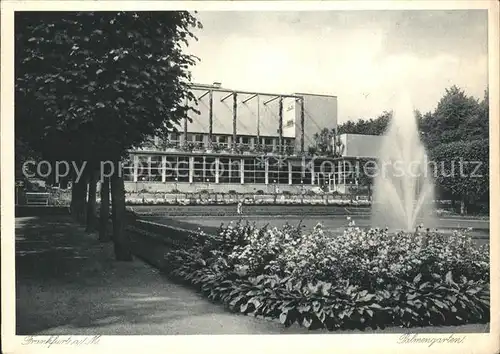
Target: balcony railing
{"type": "Point", "coordinates": [240, 148]}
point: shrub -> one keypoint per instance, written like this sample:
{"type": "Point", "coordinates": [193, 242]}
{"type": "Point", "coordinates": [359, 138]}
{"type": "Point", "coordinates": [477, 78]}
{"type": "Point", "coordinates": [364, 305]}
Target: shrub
{"type": "Point", "coordinates": [59, 197]}
{"type": "Point", "coordinates": [358, 279]}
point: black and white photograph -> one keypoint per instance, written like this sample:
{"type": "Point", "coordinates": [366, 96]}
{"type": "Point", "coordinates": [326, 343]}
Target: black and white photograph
{"type": "Point", "coordinates": [234, 170]}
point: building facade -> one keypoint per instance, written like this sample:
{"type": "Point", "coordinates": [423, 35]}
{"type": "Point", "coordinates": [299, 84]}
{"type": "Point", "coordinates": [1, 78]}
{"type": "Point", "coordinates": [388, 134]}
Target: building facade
{"type": "Point", "coordinates": [245, 142]}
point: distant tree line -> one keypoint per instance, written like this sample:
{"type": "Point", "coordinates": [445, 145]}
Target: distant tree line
{"type": "Point", "coordinates": [457, 130]}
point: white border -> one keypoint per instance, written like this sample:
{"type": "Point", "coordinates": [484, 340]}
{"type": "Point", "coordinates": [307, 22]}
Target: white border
{"type": "Point", "coordinates": [475, 343]}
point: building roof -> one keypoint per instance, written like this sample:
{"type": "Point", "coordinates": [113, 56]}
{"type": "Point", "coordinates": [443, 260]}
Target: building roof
{"type": "Point", "coordinates": [258, 112]}
{"type": "Point", "coordinates": [197, 86]}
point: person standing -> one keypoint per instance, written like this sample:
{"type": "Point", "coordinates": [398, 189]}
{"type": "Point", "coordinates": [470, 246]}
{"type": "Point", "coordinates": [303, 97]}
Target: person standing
{"type": "Point", "coordinates": [239, 207]}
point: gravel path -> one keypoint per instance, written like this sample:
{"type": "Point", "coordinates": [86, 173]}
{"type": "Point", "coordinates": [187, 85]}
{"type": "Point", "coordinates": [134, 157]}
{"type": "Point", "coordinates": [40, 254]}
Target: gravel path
{"type": "Point", "coordinates": [68, 283]}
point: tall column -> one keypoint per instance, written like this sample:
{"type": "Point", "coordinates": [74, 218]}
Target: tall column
{"type": "Point", "coordinates": [136, 166]}
{"type": "Point", "coordinates": [312, 172]}
{"type": "Point", "coordinates": [289, 172]}
{"type": "Point", "coordinates": [356, 179]}
{"type": "Point", "coordinates": [343, 172]}
{"type": "Point", "coordinates": [339, 175]}
{"type": "Point", "coordinates": [149, 175]}
{"type": "Point", "coordinates": [185, 132]}
{"type": "Point", "coordinates": [242, 171]}
{"type": "Point", "coordinates": [191, 169]}
{"type": "Point", "coordinates": [280, 127]}
{"type": "Point", "coordinates": [210, 118]}
{"type": "Point", "coordinates": [204, 170]}
{"type": "Point", "coordinates": [258, 121]}
{"type": "Point", "coordinates": [217, 161]}
{"type": "Point", "coordinates": [235, 114]}
{"type": "Point", "coordinates": [163, 168]}
{"type": "Point", "coordinates": [333, 183]}
{"type": "Point", "coordinates": [302, 115]}
{"type": "Point", "coordinates": [266, 171]}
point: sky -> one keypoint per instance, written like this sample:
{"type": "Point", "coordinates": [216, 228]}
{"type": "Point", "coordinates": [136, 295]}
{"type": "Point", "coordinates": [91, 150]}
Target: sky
{"type": "Point", "coordinates": [365, 58]}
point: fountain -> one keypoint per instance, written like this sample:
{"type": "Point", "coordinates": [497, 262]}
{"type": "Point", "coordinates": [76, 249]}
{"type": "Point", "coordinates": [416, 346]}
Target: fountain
{"type": "Point", "coordinates": [403, 195]}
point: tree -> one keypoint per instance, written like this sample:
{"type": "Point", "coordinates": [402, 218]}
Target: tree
{"type": "Point", "coordinates": [461, 168]}
{"type": "Point", "coordinates": [100, 83]}
{"type": "Point", "coordinates": [91, 202]}
{"type": "Point", "coordinates": [323, 141]}
{"type": "Point", "coordinates": [371, 126]}
{"type": "Point", "coordinates": [104, 210]}
{"type": "Point", "coordinates": [483, 116]}
{"type": "Point", "coordinates": [453, 132]}
{"type": "Point", "coordinates": [457, 126]}
{"type": "Point", "coordinates": [23, 153]}
{"type": "Point", "coordinates": [456, 117]}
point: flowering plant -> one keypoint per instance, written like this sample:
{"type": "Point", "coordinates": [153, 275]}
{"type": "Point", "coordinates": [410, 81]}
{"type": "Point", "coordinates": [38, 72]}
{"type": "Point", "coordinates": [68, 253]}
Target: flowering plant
{"type": "Point", "coordinates": [358, 278]}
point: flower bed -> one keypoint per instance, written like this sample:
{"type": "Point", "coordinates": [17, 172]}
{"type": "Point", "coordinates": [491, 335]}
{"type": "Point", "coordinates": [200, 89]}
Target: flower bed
{"type": "Point", "coordinates": [361, 278]}
{"type": "Point", "coordinates": [195, 200]}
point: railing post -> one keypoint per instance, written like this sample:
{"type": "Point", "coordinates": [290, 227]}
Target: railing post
{"type": "Point", "coordinates": [217, 162]}
{"type": "Point", "coordinates": [163, 169]}
{"type": "Point", "coordinates": [191, 169]}
{"type": "Point", "coordinates": [302, 114]}
{"type": "Point", "coordinates": [266, 171]}
{"type": "Point", "coordinates": [242, 171]}
{"type": "Point", "coordinates": [289, 172]}
{"type": "Point", "coordinates": [135, 160]}
{"type": "Point", "coordinates": [235, 114]}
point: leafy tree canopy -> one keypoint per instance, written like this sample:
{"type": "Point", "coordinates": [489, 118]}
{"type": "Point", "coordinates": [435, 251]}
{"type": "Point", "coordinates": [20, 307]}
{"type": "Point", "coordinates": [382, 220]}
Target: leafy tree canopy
{"type": "Point", "coordinates": [370, 126]}
{"type": "Point", "coordinates": [462, 168]}
{"type": "Point", "coordinates": [100, 82]}
{"type": "Point", "coordinates": [457, 130]}
{"type": "Point", "coordinates": [456, 117]}
{"type": "Point", "coordinates": [323, 141]}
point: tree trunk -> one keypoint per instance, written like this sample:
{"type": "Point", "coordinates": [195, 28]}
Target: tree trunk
{"type": "Point", "coordinates": [74, 198]}
{"type": "Point", "coordinates": [82, 200]}
{"type": "Point", "coordinates": [78, 200]}
{"type": "Point", "coordinates": [64, 183]}
{"type": "Point", "coordinates": [120, 237]}
{"type": "Point", "coordinates": [91, 204]}
{"type": "Point", "coordinates": [104, 211]}
{"type": "Point", "coordinates": [51, 178]}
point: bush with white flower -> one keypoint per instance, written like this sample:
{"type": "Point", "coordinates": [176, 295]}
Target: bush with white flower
{"type": "Point", "coordinates": [157, 198]}
{"type": "Point", "coordinates": [360, 278]}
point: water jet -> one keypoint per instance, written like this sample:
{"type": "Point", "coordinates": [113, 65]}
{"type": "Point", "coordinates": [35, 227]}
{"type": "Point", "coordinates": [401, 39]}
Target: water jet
{"type": "Point", "coordinates": [403, 193]}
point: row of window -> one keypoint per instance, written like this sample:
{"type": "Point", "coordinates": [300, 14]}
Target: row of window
{"type": "Point", "coordinates": [229, 170]}
{"type": "Point", "coordinates": [225, 139]}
